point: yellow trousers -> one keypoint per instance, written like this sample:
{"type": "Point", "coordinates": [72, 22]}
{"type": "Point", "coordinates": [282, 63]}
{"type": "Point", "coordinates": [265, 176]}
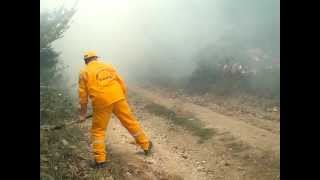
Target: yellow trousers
{"type": "Point", "coordinates": [101, 117]}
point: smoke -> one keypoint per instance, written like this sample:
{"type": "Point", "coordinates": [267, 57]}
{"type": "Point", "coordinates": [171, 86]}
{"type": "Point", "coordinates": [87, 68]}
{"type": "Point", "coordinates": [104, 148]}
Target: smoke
{"type": "Point", "coordinates": [148, 37]}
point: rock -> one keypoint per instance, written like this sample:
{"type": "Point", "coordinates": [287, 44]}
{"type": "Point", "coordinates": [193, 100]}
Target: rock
{"type": "Point", "coordinates": [73, 147]}
{"type": "Point", "coordinates": [64, 142]}
{"type": "Point", "coordinates": [184, 156]}
{"type": "Point", "coordinates": [42, 158]}
{"type": "Point", "coordinates": [275, 109]}
{"type": "Point", "coordinates": [109, 178]}
{"type": "Point", "coordinates": [227, 164]}
{"type": "Point", "coordinates": [260, 116]}
{"type": "Point", "coordinates": [82, 164]}
{"type": "Point", "coordinates": [150, 161]}
{"type": "Point", "coordinates": [203, 162]}
{"type": "Point", "coordinates": [200, 168]}
{"type": "Point", "coordinates": [198, 163]}
{"type": "Point", "coordinates": [128, 173]}
{"type": "Point", "coordinates": [55, 168]}
{"type": "Point", "coordinates": [46, 176]}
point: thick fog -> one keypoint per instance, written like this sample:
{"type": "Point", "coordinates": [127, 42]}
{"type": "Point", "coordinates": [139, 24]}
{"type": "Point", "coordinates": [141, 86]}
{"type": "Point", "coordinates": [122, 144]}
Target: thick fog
{"type": "Point", "coordinates": [165, 35]}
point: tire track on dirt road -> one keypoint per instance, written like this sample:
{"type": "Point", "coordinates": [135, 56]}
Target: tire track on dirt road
{"type": "Point", "coordinates": [253, 136]}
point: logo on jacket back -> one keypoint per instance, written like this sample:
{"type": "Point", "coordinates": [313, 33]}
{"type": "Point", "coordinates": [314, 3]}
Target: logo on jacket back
{"type": "Point", "coordinates": [104, 77]}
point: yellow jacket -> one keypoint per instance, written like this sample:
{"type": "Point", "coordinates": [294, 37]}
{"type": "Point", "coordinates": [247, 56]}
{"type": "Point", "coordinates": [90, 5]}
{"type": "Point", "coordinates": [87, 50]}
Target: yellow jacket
{"type": "Point", "coordinates": [101, 82]}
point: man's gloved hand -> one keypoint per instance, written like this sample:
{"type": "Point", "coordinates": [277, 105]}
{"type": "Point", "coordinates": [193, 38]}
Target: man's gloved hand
{"type": "Point", "coordinates": [83, 112]}
{"type": "Point", "coordinates": [82, 118]}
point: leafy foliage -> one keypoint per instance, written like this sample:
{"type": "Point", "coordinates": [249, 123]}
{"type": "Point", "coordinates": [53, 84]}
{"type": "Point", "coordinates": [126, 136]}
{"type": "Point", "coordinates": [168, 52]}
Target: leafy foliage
{"type": "Point", "coordinates": [53, 24]}
{"type": "Point", "coordinates": [55, 103]}
{"type": "Point", "coordinates": [227, 72]}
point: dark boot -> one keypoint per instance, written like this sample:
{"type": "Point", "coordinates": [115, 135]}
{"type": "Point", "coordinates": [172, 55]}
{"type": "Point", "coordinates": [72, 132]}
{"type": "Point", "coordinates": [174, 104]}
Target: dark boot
{"type": "Point", "coordinates": [148, 151]}
{"type": "Point", "coordinates": [102, 165]}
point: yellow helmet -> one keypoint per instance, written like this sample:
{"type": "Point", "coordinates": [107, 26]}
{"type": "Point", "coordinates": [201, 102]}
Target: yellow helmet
{"type": "Point", "coordinates": [89, 54]}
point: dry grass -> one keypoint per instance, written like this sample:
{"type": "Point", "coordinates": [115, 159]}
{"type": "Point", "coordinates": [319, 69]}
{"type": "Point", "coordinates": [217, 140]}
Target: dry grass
{"type": "Point", "coordinates": [64, 155]}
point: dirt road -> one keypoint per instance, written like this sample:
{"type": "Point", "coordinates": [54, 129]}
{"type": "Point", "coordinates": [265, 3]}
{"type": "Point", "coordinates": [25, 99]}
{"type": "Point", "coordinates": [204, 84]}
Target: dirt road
{"type": "Point", "coordinates": [234, 150]}
{"type": "Point", "coordinates": [254, 136]}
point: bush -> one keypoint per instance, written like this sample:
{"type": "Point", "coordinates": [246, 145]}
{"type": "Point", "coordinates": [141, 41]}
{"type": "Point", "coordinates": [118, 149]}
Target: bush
{"type": "Point", "coordinates": [52, 26]}
{"type": "Point", "coordinates": [210, 75]}
{"type": "Point", "coordinates": [55, 103]}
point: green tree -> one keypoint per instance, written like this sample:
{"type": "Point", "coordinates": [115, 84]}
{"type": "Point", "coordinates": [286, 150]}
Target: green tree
{"type": "Point", "coordinates": [55, 104]}
{"type": "Point", "coordinates": [53, 24]}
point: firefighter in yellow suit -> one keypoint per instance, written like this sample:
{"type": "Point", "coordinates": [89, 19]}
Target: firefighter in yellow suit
{"type": "Point", "coordinates": [108, 92]}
